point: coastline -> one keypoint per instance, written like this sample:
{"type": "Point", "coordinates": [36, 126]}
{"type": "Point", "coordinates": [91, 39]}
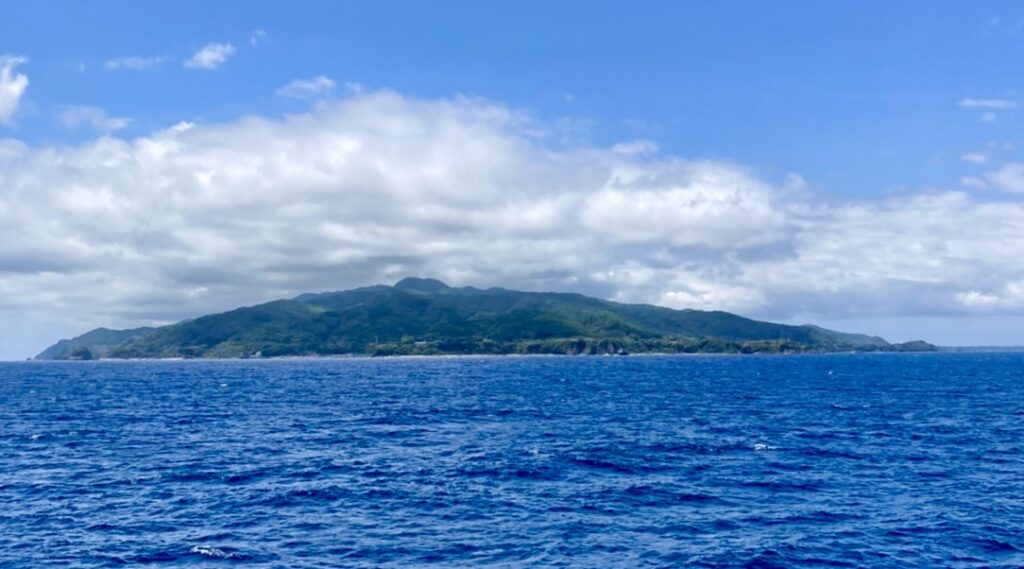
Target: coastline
{"type": "Point", "coordinates": [410, 357]}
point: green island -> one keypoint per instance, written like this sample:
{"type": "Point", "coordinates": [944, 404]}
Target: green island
{"type": "Point", "coordinates": [427, 317]}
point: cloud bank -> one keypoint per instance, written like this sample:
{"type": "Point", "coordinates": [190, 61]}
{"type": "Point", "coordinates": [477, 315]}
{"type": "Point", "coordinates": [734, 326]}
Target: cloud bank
{"type": "Point", "coordinates": [367, 189]}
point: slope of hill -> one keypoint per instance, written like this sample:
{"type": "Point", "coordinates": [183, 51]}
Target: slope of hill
{"type": "Point", "coordinates": [98, 343]}
{"type": "Point", "coordinates": [426, 316]}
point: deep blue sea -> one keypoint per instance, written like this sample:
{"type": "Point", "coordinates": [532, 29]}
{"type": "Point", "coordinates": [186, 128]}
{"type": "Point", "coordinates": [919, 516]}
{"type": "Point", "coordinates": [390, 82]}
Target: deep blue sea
{"type": "Point", "coordinates": [698, 461]}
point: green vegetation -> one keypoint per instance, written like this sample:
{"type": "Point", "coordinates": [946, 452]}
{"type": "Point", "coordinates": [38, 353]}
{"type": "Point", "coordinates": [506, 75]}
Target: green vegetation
{"type": "Point", "coordinates": [427, 317]}
{"type": "Point", "coordinates": [99, 343]}
{"type": "Point", "coordinates": [80, 353]}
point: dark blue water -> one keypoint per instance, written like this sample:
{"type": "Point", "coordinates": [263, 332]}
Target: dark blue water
{"type": "Point", "coordinates": [807, 461]}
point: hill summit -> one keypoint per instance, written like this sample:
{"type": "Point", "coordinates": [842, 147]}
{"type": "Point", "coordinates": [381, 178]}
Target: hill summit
{"type": "Point", "coordinates": [420, 316]}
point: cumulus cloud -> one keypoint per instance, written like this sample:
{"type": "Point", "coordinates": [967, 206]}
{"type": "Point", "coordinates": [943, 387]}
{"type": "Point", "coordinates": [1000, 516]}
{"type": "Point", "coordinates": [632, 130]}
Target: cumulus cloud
{"type": "Point", "coordinates": [12, 86]}
{"type": "Point", "coordinates": [134, 63]}
{"type": "Point", "coordinates": [211, 56]}
{"type": "Point", "coordinates": [1009, 296]}
{"type": "Point", "coordinates": [973, 182]}
{"type": "Point", "coordinates": [77, 116]}
{"type": "Point", "coordinates": [1009, 178]}
{"type": "Point", "coordinates": [377, 186]}
{"type": "Point", "coordinates": [684, 203]}
{"type": "Point", "coordinates": [318, 86]}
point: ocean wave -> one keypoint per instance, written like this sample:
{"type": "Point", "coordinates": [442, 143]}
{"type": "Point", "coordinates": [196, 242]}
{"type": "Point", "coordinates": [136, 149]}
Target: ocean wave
{"type": "Point", "coordinates": [653, 462]}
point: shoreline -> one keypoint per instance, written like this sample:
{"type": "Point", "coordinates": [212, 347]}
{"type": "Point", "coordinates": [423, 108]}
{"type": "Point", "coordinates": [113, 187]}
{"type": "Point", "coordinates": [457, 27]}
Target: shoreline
{"type": "Point", "coordinates": [350, 357]}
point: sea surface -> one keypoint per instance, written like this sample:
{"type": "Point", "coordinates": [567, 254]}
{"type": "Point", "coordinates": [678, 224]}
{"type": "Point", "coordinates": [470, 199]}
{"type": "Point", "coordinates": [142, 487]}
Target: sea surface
{"type": "Point", "coordinates": [698, 461]}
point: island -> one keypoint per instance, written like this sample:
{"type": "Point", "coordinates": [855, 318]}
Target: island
{"type": "Point", "coordinates": [420, 316]}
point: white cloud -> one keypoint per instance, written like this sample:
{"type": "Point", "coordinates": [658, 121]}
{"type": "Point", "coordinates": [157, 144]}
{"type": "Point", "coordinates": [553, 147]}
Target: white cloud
{"type": "Point", "coordinates": [998, 104]}
{"type": "Point", "coordinates": [1009, 178]}
{"type": "Point", "coordinates": [1010, 296]}
{"type": "Point", "coordinates": [636, 147]}
{"type": "Point", "coordinates": [975, 157]}
{"type": "Point", "coordinates": [684, 203]}
{"type": "Point", "coordinates": [76, 116]}
{"type": "Point", "coordinates": [318, 86]}
{"type": "Point", "coordinates": [196, 218]}
{"type": "Point", "coordinates": [12, 86]}
{"type": "Point", "coordinates": [988, 105]}
{"type": "Point", "coordinates": [256, 37]}
{"type": "Point", "coordinates": [973, 183]}
{"type": "Point", "coordinates": [211, 56]}
{"type": "Point", "coordinates": [134, 63]}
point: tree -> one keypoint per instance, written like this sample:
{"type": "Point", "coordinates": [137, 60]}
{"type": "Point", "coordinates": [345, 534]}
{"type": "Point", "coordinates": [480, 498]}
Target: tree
{"type": "Point", "coordinates": [80, 353]}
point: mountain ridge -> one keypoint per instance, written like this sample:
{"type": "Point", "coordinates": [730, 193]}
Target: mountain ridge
{"type": "Point", "coordinates": [419, 316]}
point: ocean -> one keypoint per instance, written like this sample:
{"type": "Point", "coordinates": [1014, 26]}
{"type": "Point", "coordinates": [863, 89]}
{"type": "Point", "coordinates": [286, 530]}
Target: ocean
{"type": "Point", "coordinates": [898, 460]}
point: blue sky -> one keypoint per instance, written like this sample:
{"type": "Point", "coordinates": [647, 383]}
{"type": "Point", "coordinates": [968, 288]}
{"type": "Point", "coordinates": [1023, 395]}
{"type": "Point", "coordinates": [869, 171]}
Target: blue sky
{"type": "Point", "coordinates": [856, 98]}
{"type": "Point", "coordinates": [855, 111]}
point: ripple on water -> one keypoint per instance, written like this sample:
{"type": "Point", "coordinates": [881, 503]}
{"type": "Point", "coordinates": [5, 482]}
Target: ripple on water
{"type": "Point", "coordinates": [815, 461]}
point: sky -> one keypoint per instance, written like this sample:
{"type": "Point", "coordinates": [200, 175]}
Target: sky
{"type": "Point", "coordinates": [850, 164]}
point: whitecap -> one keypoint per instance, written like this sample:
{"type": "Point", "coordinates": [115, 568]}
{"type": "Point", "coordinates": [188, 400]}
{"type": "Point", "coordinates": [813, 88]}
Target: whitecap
{"type": "Point", "coordinates": [210, 551]}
